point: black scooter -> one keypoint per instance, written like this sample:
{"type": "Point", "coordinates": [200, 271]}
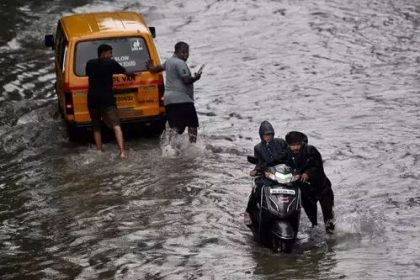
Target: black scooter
{"type": "Point", "coordinates": [275, 220]}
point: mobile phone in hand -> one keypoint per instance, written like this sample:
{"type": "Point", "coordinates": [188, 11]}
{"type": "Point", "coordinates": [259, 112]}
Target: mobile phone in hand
{"type": "Point", "coordinates": [201, 69]}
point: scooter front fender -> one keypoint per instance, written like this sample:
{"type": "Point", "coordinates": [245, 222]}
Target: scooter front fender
{"type": "Point", "coordinates": [283, 230]}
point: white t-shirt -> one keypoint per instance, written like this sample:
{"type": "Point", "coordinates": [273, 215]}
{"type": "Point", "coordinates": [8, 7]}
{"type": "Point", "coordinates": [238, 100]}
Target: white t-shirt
{"type": "Point", "coordinates": [176, 91]}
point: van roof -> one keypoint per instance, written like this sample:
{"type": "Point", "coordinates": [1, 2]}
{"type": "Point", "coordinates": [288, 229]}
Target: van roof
{"type": "Point", "coordinates": [90, 24]}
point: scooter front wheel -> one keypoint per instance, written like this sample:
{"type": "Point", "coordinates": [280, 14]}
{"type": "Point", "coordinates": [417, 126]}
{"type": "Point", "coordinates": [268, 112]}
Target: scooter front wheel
{"type": "Point", "coordinates": [276, 244]}
{"type": "Point", "coordinates": [282, 245]}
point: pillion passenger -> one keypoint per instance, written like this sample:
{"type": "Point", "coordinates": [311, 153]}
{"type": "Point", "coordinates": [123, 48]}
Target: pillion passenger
{"type": "Point", "coordinates": [269, 152]}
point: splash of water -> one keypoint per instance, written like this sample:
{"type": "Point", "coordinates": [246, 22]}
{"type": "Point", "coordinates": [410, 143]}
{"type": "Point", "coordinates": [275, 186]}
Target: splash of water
{"type": "Point", "coordinates": [173, 144]}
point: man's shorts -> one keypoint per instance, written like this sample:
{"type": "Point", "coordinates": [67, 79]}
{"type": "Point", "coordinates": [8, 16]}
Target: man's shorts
{"type": "Point", "coordinates": [109, 115]}
{"type": "Point", "coordinates": [181, 115]}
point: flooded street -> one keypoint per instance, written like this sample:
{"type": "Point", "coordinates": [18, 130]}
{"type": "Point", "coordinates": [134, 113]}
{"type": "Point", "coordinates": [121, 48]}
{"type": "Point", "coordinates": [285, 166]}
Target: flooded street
{"type": "Point", "coordinates": [347, 73]}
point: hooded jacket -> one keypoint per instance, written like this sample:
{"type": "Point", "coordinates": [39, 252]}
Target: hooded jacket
{"type": "Point", "coordinates": [271, 153]}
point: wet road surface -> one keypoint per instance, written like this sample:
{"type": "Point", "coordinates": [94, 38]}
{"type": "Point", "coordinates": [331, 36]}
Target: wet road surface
{"type": "Point", "coordinates": [345, 73]}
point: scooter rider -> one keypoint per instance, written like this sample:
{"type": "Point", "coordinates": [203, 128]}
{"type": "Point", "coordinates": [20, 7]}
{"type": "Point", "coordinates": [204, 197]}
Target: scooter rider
{"type": "Point", "coordinates": [269, 151]}
{"type": "Point", "coordinates": [307, 163]}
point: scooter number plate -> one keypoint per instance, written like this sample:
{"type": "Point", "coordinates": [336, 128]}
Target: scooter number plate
{"type": "Point", "coordinates": [282, 191]}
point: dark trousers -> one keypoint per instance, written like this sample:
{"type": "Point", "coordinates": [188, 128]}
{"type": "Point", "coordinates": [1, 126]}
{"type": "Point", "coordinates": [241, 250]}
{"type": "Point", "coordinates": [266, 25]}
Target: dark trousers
{"type": "Point", "coordinates": [255, 195]}
{"type": "Point", "coordinates": [309, 204]}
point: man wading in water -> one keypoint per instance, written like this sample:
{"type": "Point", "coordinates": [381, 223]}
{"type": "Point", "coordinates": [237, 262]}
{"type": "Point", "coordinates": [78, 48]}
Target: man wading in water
{"type": "Point", "coordinates": [179, 91]}
{"type": "Point", "coordinates": [101, 101]}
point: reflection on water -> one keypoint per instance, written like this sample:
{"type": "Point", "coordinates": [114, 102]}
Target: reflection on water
{"type": "Point", "coordinates": [344, 73]}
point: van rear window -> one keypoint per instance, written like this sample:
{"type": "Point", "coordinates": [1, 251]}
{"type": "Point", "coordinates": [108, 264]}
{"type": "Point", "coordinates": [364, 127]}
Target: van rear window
{"type": "Point", "coordinates": [130, 52]}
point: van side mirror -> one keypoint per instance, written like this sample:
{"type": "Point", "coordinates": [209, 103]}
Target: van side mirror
{"type": "Point", "coordinates": [152, 31]}
{"type": "Point", "coordinates": [49, 41]}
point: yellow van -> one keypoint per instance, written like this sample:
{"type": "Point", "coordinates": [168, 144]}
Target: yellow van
{"type": "Point", "coordinates": [76, 40]}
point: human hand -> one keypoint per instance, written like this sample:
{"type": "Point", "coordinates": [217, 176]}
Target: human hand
{"type": "Point", "coordinates": [296, 177]}
{"type": "Point", "coordinates": [197, 76]}
{"type": "Point", "coordinates": [304, 177]}
{"type": "Point", "coordinates": [131, 75]}
{"type": "Point", "coordinates": [149, 64]}
{"type": "Point", "coordinates": [253, 173]}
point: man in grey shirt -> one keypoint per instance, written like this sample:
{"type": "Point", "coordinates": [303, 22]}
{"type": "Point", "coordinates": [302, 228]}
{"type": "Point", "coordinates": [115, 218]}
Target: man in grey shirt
{"type": "Point", "coordinates": [179, 91]}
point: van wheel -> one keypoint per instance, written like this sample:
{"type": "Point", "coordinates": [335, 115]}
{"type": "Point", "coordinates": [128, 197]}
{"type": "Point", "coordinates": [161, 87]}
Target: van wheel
{"type": "Point", "coordinates": [59, 110]}
{"type": "Point", "coordinates": [156, 128]}
{"type": "Point", "coordinates": [160, 127]}
{"type": "Point", "coordinates": [76, 134]}
{"type": "Point", "coordinates": [72, 133]}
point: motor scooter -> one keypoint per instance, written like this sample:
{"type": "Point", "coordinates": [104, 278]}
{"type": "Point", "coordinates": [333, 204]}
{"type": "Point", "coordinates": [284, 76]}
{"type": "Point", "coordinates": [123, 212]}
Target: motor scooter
{"type": "Point", "coordinates": [276, 217]}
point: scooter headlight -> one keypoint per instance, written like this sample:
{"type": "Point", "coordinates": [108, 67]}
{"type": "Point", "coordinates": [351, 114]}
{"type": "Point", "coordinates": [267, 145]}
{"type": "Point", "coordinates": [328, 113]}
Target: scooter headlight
{"type": "Point", "coordinates": [279, 177]}
{"type": "Point", "coordinates": [283, 178]}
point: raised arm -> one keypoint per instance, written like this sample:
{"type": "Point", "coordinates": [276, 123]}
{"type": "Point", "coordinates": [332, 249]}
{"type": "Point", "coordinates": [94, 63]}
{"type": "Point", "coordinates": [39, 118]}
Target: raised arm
{"type": "Point", "coordinates": [153, 68]}
{"type": "Point", "coordinates": [118, 69]}
{"type": "Point", "coordinates": [191, 79]}
{"type": "Point", "coordinates": [314, 167]}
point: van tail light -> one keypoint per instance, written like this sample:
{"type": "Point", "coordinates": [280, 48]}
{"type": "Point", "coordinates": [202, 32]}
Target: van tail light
{"type": "Point", "coordinates": [68, 103]}
{"type": "Point", "coordinates": [161, 89]}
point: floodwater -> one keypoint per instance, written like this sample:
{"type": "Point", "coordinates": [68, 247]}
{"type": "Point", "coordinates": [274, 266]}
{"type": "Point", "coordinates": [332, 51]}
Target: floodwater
{"type": "Point", "coordinates": [344, 72]}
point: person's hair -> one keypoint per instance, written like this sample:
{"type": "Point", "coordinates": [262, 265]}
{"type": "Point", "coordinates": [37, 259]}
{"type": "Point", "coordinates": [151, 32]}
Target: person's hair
{"type": "Point", "coordinates": [295, 137]}
{"type": "Point", "coordinates": [103, 48]}
{"type": "Point", "coordinates": [181, 45]}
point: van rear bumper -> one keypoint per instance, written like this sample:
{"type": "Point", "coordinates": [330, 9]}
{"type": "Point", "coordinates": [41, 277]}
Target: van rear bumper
{"type": "Point", "coordinates": [144, 120]}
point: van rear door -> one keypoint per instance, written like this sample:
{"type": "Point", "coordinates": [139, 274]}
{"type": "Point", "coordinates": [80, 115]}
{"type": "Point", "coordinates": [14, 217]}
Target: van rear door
{"type": "Point", "coordinates": [135, 98]}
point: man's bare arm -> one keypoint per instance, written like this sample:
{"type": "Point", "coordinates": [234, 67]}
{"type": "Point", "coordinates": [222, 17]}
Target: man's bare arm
{"type": "Point", "coordinates": [153, 68]}
{"type": "Point", "coordinates": [191, 79]}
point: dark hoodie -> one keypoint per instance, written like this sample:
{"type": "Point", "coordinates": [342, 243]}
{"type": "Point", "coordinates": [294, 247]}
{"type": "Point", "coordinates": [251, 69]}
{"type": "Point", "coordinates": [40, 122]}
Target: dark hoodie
{"type": "Point", "coordinates": [269, 154]}
{"type": "Point", "coordinates": [308, 161]}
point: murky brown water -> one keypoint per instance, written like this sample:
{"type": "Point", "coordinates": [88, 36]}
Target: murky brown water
{"type": "Point", "coordinates": [344, 72]}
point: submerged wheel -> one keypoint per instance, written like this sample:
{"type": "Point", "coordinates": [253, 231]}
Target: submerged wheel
{"type": "Point", "coordinates": [282, 245]}
{"type": "Point", "coordinates": [72, 133]}
{"type": "Point", "coordinates": [287, 245]}
{"type": "Point", "coordinates": [276, 244]}
{"type": "Point", "coordinates": [77, 134]}
{"type": "Point", "coordinates": [158, 127]}
{"type": "Point", "coordinates": [59, 110]}
{"type": "Point", "coordinates": [153, 128]}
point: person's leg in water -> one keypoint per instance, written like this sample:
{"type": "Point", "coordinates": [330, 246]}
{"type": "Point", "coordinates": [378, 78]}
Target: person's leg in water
{"type": "Point", "coordinates": [173, 132]}
{"type": "Point", "coordinates": [327, 203]}
{"type": "Point", "coordinates": [254, 198]}
{"type": "Point", "coordinates": [250, 207]}
{"type": "Point", "coordinates": [120, 141]}
{"type": "Point", "coordinates": [310, 207]}
{"type": "Point", "coordinates": [98, 139]}
{"type": "Point", "coordinates": [112, 120]}
{"type": "Point", "coordinates": [95, 116]}
{"type": "Point", "coordinates": [192, 133]}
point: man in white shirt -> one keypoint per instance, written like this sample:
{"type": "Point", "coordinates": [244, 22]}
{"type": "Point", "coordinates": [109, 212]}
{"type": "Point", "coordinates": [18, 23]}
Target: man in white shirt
{"type": "Point", "coordinates": [179, 91]}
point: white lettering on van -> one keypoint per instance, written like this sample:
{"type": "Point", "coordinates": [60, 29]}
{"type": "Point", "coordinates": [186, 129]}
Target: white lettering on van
{"type": "Point", "coordinates": [136, 45]}
{"type": "Point", "coordinates": [121, 79]}
{"type": "Point", "coordinates": [130, 63]}
{"type": "Point", "coordinates": [122, 58]}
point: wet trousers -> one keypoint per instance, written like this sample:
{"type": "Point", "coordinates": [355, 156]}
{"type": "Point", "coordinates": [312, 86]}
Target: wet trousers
{"type": "Point", "coordinates": [255, 195]}
{"type": "Point", "coordinates": [309, 204]}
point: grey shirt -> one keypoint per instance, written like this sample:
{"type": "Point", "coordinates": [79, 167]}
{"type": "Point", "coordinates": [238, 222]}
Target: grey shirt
{"type": "Point", "coordinates": [176, 91]}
